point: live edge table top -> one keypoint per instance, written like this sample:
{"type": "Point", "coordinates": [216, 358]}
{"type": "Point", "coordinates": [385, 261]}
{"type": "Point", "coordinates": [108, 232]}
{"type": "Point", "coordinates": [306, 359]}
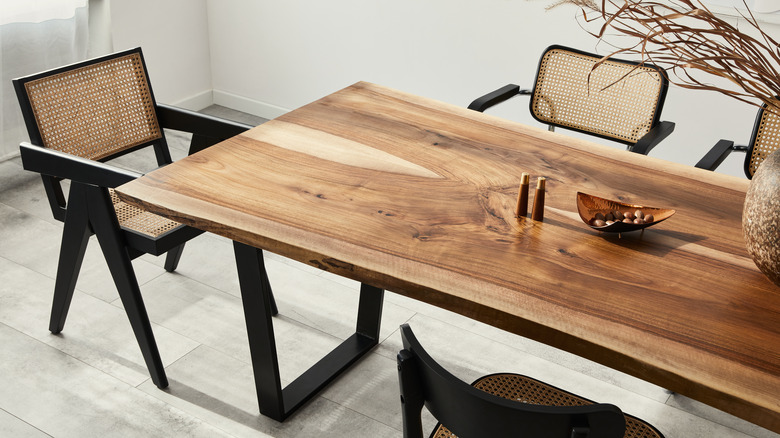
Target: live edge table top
{"type": "Point", "coordinates": [417, 197]}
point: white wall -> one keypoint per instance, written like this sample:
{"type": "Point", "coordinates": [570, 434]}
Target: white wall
{"type": "Point", "coordinates": [175, 40]}
{"type": "Point", "coordinates": [288, 53]}
{"type": "Point", "coordinates": [269, 56]}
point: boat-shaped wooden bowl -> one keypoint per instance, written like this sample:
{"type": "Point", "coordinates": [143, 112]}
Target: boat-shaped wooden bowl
{"type": "Point", "coordinates": [588, 206]}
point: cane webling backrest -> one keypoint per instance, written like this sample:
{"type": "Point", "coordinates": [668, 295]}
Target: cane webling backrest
{"type": "Point", "coordinates": [617, 99]}
{"type": "Point", "coordinates": [610, 98]}
{"type": "Point", "coordinates": [766, 139]}
{"type": "Point", "coordinates": [97, 110]}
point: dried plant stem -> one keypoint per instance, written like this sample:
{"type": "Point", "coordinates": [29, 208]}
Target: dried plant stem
{"type": "Point", "coordinates": [684, 37]}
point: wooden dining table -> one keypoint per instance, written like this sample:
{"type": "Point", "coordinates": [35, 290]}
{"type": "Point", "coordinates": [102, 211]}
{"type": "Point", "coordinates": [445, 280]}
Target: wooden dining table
{"type": "Point", "coordinates": [415, 196]}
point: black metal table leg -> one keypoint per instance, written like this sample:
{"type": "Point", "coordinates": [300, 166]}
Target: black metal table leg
{"type": "Point", "coordinates": [274, 401]}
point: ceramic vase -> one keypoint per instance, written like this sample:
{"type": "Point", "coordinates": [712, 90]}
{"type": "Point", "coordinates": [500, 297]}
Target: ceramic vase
{"type": "Point", "coordinates": [761, 218]}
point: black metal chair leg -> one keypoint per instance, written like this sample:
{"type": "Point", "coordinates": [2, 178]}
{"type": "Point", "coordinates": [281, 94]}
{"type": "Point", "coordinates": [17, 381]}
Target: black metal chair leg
{"type": "Point", "coordinates": [200, 142]}
{"type": "Point", "coordinates": [75, 235]}
{"type": "Point", "coordinates": [172, 258]}
{"type": "Point", "coordinates": [106, 227]}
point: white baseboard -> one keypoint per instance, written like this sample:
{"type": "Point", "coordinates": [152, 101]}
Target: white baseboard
{"type": "Point", "coordinates": [196, 102]}
{"type": "Point", "coordinates": [254, 107]}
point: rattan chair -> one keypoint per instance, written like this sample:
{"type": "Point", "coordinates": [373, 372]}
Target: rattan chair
{"type": "Point", "coordinates": [78, 117]}
{"type": "Point", "coordinates": [501, 405]}
{"type": "Point", "coordinates": [764, 140]}
{"type": "Point", "coordinates": [618, 100]}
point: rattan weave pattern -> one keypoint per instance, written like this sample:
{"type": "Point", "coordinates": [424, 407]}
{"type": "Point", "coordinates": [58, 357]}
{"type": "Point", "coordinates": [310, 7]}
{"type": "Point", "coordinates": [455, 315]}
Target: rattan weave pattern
{"type": "Point", "coordinates": [528, 390]}
{"type": "Point", "coordinates": [767, 140]}
{"type": "Point", "coordinates": [97, 110]}
{"type": "Point", "coordinates": [617, 100]}
{"type": "Point", "coordinates": [139, 220]}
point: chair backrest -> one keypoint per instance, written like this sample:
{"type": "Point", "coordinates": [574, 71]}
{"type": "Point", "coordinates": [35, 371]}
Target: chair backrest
{"type": "Point", "coordinates": [96, 109]}
{"type": "Point", "coordinates": [618, 100]}
{"type": "Point", "coordinates": [764, 140]}
{"type": "Point", "coordinates": [93, 109]}
{"type": "Point", "coordinates": [470, 412]}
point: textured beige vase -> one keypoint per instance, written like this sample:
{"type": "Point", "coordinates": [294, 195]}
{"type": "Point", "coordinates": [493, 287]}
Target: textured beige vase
{"type": "Point", "coordinates": [761, 218]}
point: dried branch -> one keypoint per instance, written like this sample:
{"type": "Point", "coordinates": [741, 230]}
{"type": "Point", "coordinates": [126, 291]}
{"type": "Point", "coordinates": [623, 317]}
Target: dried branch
{"type": "Point", "coordinates": [684, 37]}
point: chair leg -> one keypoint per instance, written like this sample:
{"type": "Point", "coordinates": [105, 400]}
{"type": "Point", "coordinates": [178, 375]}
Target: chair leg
{"type": "Point", "coordinates": [172, 258]}
{"type": "Point", "coordinates": [199, 142]}
{"type": "Point", "coordinates": [172, 261]}
{"type": "Point", "coordinates": [412, 398]}
{"type": "Point", "coordinates": [75, 235]}
{"type": "Point", "coordinates": [106, 227]}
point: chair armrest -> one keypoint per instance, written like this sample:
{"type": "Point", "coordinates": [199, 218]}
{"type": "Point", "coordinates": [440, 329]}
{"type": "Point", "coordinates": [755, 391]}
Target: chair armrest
{"type": "Point", "coordinates": [718, 153]}
{"type": "Point", "coordinates": [494, 98]}
{"type": "Point", "coordinates": [201, 124]}
{"type": "Point", "coordinates": [61, 165]}
{"type": "Point", "coordinates": [652, 138]}
{"type": "Point", "coordinates": [206, 130]}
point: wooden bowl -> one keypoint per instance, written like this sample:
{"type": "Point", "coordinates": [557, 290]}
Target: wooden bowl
{"type": "Point", "coordinates": [589, 205]}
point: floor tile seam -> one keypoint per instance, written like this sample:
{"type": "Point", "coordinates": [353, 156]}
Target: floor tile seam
{"type": "Point", "coordinates": [30, 269]}
{"type": "Point", "coordinates": [32, 215]}
{"type": "Point", "coordinates": [416, 312]}
{"type": "Point", "coordinates": [564, 365]}
{"type": "Point", "coordinates": [397, 330]}
{"type": "Point", "coordinates": [165, 367]}
{"type": "Point", "coordinates": [117, 301]}
{"type": "Point", "coordinates": [140, 285]}
{"type": "Point", "coordinates": [194, 414]}
{"type": "Point", "coordinates": [246, 360]}
{"type": "Point", "coordinates": [154, 323]}
{"type": "Point", "coordinates": [715, 421]}
{"type": "Point", "coordinates": [11, 261]}
{"type": "Point", "coordinates": [27, 423]}
{"type": "Point", "coordinates": [717, 418]}
{"type": "Point", "coordinates": [10, 157]}
{"type": "Point", "coordinates": [323, 396]}
{"type": "Point", "coordinates": [553, 349]}
{"type": "Point", "coordinates": [301, 324]}
{"type": "Point", "coordinates": [177, 410]}
{"type": "Point", "coordinates": [164, 272]}
{"type": "Point", "coordinates": [71, 356]}
{"type": "Point", "coordinates": [380, 341]}
{"type": "Point", "coordinates": [645, 398]}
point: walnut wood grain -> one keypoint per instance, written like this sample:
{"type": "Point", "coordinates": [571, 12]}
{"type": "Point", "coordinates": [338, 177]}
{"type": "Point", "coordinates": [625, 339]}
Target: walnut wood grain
{"type": "Point", "coordinates": [418, 197]}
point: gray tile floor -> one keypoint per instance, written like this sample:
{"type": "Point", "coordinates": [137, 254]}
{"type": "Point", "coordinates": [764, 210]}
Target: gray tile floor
{"type": "Point", "coordinates": [91, 381]}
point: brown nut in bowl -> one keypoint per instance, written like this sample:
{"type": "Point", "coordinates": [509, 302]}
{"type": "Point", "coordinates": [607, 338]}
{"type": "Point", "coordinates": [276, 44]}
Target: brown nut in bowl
{"type": "Point", "coordinates": [617, 217]}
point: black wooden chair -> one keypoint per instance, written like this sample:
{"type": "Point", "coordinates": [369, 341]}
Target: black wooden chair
{"type": "Point", "coordinates": [78, 117]}
{"type": "Point", "coordinates": [619, 100]}
{"type": "Point", "coordinates": [764, 140]}
{"type": "Point", "coordinates": [501, 405]}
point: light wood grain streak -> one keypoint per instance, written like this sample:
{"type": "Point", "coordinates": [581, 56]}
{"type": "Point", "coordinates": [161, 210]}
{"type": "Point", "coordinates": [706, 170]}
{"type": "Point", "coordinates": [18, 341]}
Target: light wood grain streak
{"type": "Point", "coordinates": [337, 149]}
{"type": "Point", "coordinates": [680, 244]}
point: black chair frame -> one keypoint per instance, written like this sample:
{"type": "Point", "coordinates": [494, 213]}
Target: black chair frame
{"type": "Point", "coordinates": [470, 413]}
{"type": "Point", "coordinates": [659, 131]}
{"type": "Point", "coordinates": [89, 210]}
{"type": "Point", "coordinates": [723, 148]}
